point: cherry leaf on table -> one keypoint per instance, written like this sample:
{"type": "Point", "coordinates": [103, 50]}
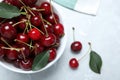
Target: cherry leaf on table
{"type": "Point", "coordinates": [40, 61]}
{"type": "Point", "coordinates": [95, 62]}
{"type": "Point", "coordinates": [8, 11]}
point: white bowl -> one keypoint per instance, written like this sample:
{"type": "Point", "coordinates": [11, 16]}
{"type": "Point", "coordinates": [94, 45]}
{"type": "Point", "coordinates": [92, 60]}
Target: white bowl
{"type": "Point", "coordinates": [59, 54]}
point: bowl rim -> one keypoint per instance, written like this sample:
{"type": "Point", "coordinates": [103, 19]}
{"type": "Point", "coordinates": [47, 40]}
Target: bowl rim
{"type": "Point", "coordinates": [62, 48]}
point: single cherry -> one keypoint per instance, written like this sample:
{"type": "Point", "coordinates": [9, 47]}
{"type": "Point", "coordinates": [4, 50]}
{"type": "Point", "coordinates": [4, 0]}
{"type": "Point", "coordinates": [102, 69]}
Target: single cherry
{"type": "Point", "coordinates": [47, 8]}
{"type": "Point", "coordinates": [52, 18]}
{"type": "Point", "coordinates": [11, 54]}
{"type": "Point", "coordinates": [48, 40]}
{"type": "Point", "coordinates": [73, 63]}
{"type": "Point", "coordinates": [26, 64]}
{"type": "Point", "coordinates": [23, 37]}
{"type": "Point", "coordinates": [52, 52]}
{"type": "Point", "coordinates": [58, 29]}
{"type": "Point", "coordinates": [76, 45]}
{"type": "Point", "coordinates": [8, 31]}
{"type": "Point", "coordinates": [34, 34]}
{"type": "Point", "coordinates": [36, 20]}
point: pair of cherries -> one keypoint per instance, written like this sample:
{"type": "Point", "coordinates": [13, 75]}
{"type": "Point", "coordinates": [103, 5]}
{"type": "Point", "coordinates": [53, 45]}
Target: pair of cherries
{"type": "Point", "coordinates": [76, 47]}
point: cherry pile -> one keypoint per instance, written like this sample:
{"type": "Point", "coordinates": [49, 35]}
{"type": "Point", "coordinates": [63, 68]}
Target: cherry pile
{"type": "Point", "coordinates": [22, 38]}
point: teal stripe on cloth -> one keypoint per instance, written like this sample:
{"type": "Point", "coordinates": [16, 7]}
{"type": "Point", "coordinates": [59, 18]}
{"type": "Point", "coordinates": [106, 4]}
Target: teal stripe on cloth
{"type": "Point", "coordinates": [67, 3]}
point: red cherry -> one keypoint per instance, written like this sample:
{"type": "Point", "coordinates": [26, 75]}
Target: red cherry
{"type": "Point", "coordinates": [52, 54]}
{"type": "Point", "coordinates": [36, 20]}
{"type": "Point", "coordinates": [8, 31]}
{"type": "Point", "coordinates": [48, 40]}
{"type": "Point", "coordinates": [26, 64]}
{"type": "Point", "coordinates": [34, 34]}
{"type": "Point", "coordinates": [50, 18]}
{"type": "Point", "coordinates": [12, 54]}
{"type": "Point", "coordinates": [47, 8]}
{"type": "Point", "coordinates": [58, 29]}
{"type": "Point", "coordinates": [73, 63]}
{"type": "Point", "coordinates": [76, 46]}
{"type": "Point", "coordinates": [23, 37]}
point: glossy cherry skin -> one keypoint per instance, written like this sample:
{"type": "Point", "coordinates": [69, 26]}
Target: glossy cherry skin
{"type": "Point", "coordinates": [22, 37]}
{"type": "Point", "coordinates": [50, 18]}
{"type": "Point", "coordinates": [2, 51]}
{"type": "Point", "coordinates": [47, 8]}
{"type": "Point", "coordinates": [58, 29]}
{"type": "Point", "coordinates": [73, 63]}
{"type": "Point", "coordinates": [48, 27]}
{"type": "Point", "coordinates": [34, 34]}
{"type": "Point", "coordinates": [36, 20]}
{"type": "Point", "coordinates": [8, 31]}
{"type": "Point", "coordinates": [52, 53]}
{"type": "Point", "coordinates": [49, 40]}
{"type": "Point", "coordinates": [26, 64]}
{"type": "Point", "coordinates": [76, 46]}
{"type": "Point", "coordinates": [12, 54]}
{"type": "Point", "coordinates": [29, 2]}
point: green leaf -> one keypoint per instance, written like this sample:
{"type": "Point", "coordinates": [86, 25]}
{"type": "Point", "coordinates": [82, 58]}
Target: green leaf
{"type": "Point", "coordinates": [95, 62]}
{"type": "Point", "coordinates": [40, 61]}
{"type": "Point", "coordinates": [8, 11]}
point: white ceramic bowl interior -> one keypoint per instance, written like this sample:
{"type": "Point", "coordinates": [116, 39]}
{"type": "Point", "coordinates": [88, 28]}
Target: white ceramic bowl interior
{"type": "Point", "coordinates": [59, 53]}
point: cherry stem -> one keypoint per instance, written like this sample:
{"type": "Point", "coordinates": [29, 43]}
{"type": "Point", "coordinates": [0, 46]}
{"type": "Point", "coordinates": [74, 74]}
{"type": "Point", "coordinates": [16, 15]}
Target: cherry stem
{"type": "Point", "coordinates": [47, 22]}
{"type": "Point", "coordinates": [23, 13]}
{"type": "Point", "coordinates": [29, 9]}
{"type": "Point", "coordinates": [52, 12]}
{"type": "Point", "coordinates": [25, 27]}
{"type": "Point", "coordinates": [6, 42]}
{"type": "Point", "coordinates": [43, 25]}
{"type": "Point", "coordinates": [19, 22]}
{"type": "Point", "coordinates": [89, 50]}
{"type": "Point", "coordinates": [16, 49]}
{"type": "Point", "coordinates": [38, 9]}
{"type": "Point", "coordinates": [73, 33]}
{"type": "Point", "coordinates": [22, 3]}
{"type": "Point", "coordinates": [24, 43]}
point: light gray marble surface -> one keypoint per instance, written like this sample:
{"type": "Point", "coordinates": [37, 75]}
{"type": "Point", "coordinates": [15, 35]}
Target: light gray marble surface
{"type": "Point", "coordinates": [102, 31]}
